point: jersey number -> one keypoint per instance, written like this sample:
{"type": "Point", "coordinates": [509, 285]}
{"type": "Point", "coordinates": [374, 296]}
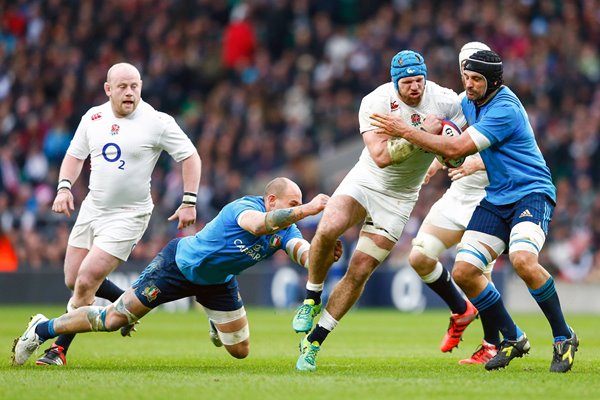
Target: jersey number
{"type": "Point", "coordinates": [115, 154]}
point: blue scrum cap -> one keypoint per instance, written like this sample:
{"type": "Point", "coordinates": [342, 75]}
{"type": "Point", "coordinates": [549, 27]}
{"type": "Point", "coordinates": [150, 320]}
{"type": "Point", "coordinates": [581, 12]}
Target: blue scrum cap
{"type": "Point", "coordinates": [407, 63]}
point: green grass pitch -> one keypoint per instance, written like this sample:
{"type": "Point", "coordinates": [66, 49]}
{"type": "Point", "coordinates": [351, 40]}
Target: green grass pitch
{"type": "Point", "coordinates": [372, 354]}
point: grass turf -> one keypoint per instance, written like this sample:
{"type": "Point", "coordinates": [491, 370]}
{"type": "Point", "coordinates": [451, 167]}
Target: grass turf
{"type": "Point", "coordinates": [373, 354]}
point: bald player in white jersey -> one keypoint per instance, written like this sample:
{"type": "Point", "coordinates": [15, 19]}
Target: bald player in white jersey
{"type": "Point", "coordinates": [380, 191]}
{"type": "Point", "coordinates": [124, 138]}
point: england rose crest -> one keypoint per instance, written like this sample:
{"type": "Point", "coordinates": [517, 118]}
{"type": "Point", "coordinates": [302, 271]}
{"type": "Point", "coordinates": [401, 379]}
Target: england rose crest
{"type": "Point", "coordinates": [415, 119]}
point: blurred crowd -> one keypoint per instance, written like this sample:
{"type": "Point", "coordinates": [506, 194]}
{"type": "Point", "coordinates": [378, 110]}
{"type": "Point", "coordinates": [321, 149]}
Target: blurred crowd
{"type": "Point", "coordinates": [264, 86]}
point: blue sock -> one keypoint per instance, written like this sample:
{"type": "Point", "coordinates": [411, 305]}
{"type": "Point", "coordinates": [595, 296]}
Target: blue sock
{"type": "Point", "coordinates": [319, 334]}
{"type": "Point", "coordinates": [45, 330]}
{"type": "Point", "coordinates": [109, 291]}
{"type": "Point", "coordinates": [490, 330]}
{"type": "Point", "coordinates": [445, 288]}
{"type": "Point", "coordinates": [316, 296]}
{"type": "Point", "coordinates": [493, 314]}
{"type": "Point", "coordinates": [65, 341]}
{"type": "Point", "coordinates": [519, 331]}
{"type": "Point", "coordinates": [547, 299]}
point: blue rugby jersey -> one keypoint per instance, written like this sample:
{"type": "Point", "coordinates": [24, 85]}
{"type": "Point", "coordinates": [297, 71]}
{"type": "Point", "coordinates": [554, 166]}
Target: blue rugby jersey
{"type": "Point", "coordinates": [223, 249]}
{"type": "Point", "coordinates": [514, 163]}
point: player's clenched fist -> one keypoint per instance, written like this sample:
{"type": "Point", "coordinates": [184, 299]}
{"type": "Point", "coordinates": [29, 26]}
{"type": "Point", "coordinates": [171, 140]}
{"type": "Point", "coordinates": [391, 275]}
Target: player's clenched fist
{"type": "Point", "coordinates": [432, 124]}
{"type": "Point", "coordinates": [316, 205]}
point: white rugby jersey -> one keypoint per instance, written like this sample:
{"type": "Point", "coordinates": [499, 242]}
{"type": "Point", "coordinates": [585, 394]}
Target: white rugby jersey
{"type": "Point", "coordinates": [472, 185]}
{"type": "Point", "coordinates": [407, 176]}
{"type": "Point", "coordinates": [124, 151]}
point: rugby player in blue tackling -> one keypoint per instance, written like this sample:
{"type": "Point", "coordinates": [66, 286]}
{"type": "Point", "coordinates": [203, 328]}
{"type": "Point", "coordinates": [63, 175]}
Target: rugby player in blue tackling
{"type": "Point", "coordinates": [245, 232]}
{"type": "Point", "coordinates": [515, 212]}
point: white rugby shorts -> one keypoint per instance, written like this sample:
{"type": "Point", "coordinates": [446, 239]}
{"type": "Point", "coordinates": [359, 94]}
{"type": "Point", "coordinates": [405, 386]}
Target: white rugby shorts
{"type": "Point", "coordinates": [452, 211]}
{"type": "Point", "coordinates": [387, 213]}
{"type": "Point", "coordinates": [116, 232]}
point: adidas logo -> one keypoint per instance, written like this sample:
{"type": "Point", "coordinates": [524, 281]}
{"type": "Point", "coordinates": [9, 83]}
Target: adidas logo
{"type": "Point", "coordinates": [525, 213]}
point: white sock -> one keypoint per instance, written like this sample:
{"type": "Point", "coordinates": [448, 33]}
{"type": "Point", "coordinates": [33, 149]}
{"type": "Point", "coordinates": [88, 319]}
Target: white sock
{"type": "Point", "coordinates": [315, 287]}
{"type": "Point", "coordinates": [433, 275]}
{"type": "Point", "coordinates": [327, 321]}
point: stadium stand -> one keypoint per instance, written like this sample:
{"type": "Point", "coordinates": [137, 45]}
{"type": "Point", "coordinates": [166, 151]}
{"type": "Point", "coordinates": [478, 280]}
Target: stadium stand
{"type": "Point", "coordinates": [274, 85]}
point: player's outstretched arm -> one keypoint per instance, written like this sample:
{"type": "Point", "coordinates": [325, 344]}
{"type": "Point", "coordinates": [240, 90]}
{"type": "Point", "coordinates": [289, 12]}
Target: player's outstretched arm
{"type": "Point", "coordinates": [315, 206]}
{"type": "Point", "coordinates": [69, 172]}
{"type": "Point", "coordinates": [264, 223]}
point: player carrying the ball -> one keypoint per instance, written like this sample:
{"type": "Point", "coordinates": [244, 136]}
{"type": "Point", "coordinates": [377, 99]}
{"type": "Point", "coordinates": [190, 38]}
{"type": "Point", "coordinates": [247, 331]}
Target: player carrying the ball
{"type": "Point", "coordinates": [380, 192]}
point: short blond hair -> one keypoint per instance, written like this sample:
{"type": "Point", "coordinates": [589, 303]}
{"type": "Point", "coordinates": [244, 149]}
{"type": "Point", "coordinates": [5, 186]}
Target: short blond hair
{"type": "Point", "coordinates": [277, 186]}
{"type": "Point", "coordinates": [118, 66]}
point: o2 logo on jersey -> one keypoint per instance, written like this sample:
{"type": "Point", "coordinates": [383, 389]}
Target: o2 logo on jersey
{"type": "Point", "coordinates": [112, 153]}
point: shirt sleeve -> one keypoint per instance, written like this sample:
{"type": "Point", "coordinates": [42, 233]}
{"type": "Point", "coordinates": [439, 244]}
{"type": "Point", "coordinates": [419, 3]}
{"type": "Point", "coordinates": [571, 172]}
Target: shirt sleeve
{"type": "Point", "coordinates": [292, 232]}
{"type": "Point", "coordinates": [239, 207]}
{"type": "Point", "coordinates": [480, 140]}
{"type": "Point", "coordinates": [497, 124]}
{"type": "Point", "coordinates": [372, 103]}
{"type": "Point", "coordinates": [80, 147]}
{"type": "Point", "coordinates": [173, 140]}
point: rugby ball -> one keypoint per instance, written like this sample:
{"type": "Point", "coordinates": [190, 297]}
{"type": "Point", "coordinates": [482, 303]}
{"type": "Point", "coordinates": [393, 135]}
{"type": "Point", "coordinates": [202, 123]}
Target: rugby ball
{"type": "Point", "coordinates": [449, 128]}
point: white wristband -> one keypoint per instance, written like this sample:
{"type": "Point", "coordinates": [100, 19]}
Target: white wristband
{"type": "Point", "coordinates": [64, 184]}
{"type": "Point", "coordinates": [189, 198]}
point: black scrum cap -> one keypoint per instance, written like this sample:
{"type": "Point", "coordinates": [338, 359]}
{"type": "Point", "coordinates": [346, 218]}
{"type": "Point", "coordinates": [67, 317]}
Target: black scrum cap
{"type": "Point", "coordinates": [488, 64]}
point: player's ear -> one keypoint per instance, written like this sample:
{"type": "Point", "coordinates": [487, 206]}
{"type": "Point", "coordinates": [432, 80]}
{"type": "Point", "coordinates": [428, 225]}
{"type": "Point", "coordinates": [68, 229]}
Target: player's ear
{"type": "Point", "coordinates": [271, 200]}
{"type": "Point", "coordinates": [107, 88]}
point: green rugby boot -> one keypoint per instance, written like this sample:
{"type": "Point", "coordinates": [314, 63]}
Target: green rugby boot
{"type": "Point", "coordinates": [308, 355]}
{"type": "Point", "coordinates": [305, 314]}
